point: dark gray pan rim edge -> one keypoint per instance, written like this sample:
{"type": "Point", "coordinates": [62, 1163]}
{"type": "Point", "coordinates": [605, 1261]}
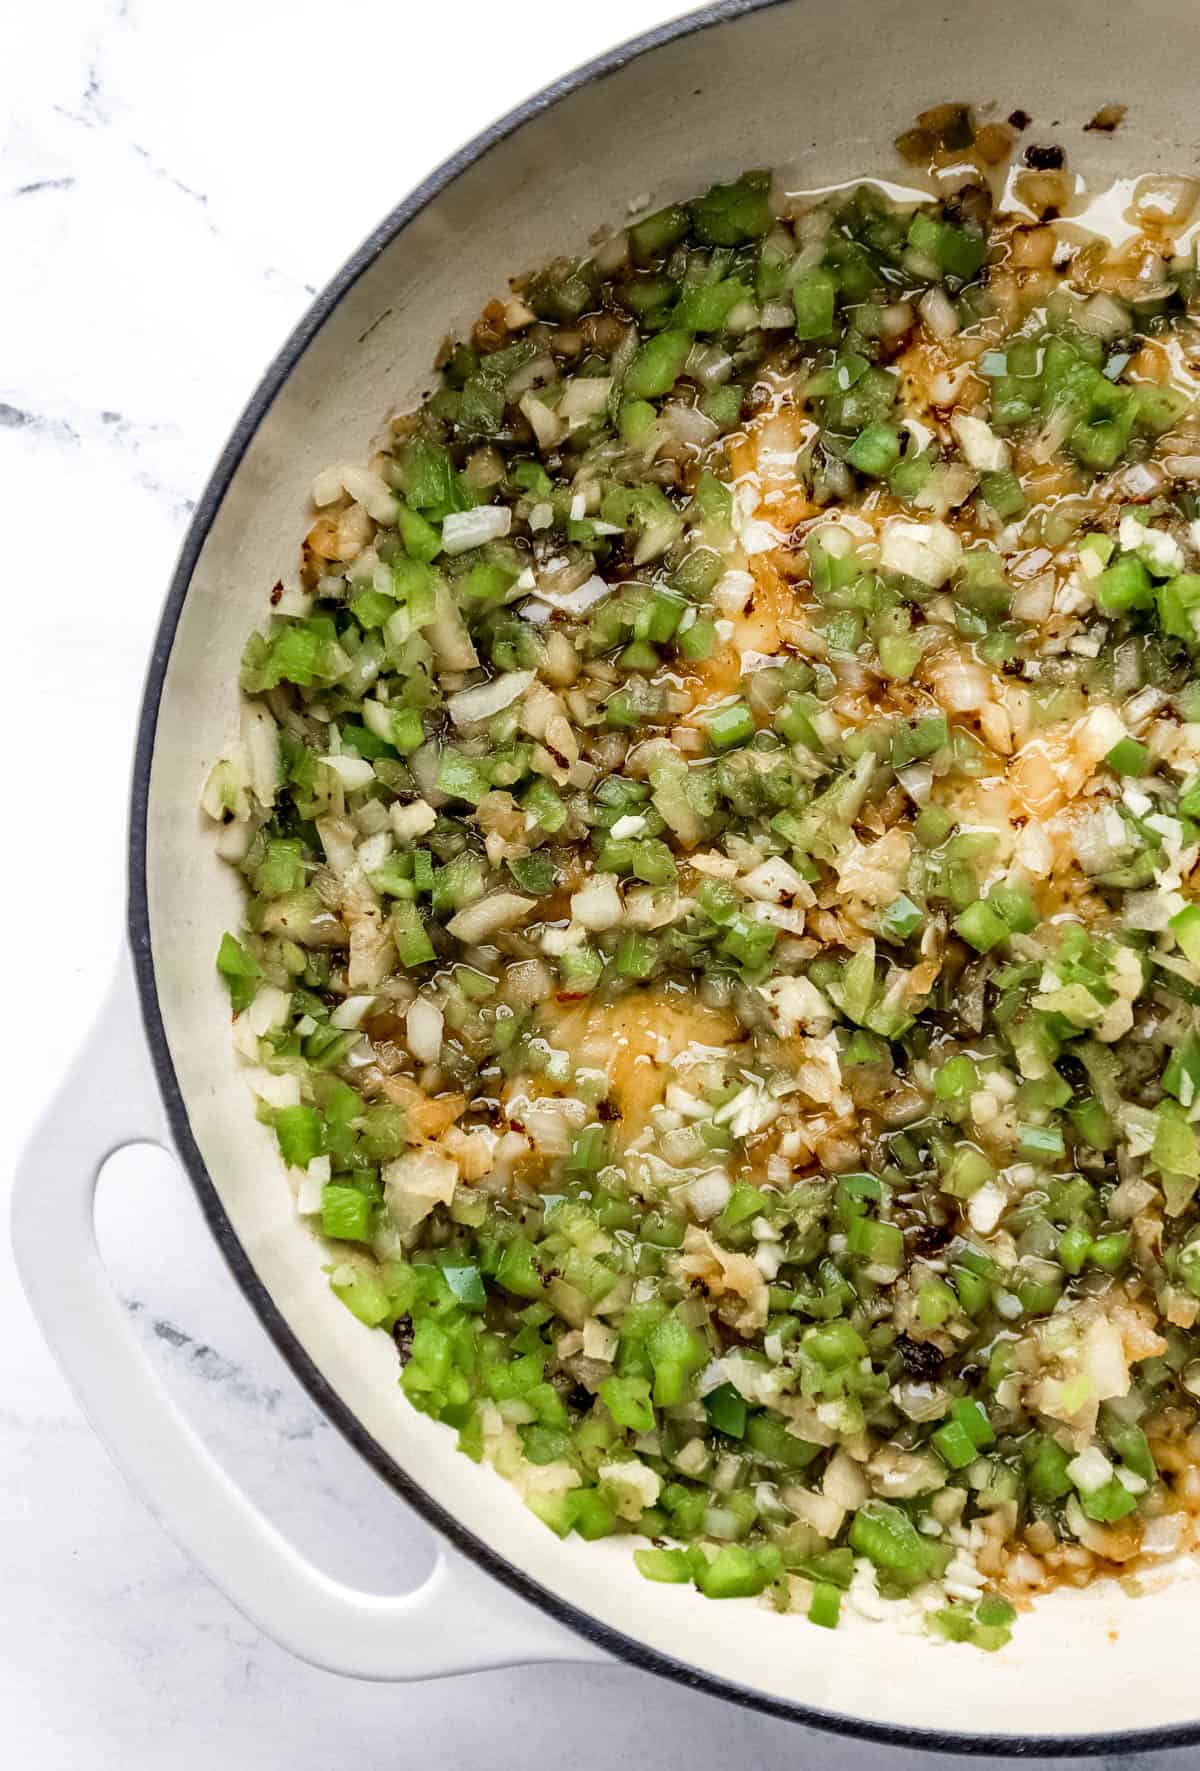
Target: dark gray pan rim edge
{"type": "Point", "coordinates": [624, 1647]}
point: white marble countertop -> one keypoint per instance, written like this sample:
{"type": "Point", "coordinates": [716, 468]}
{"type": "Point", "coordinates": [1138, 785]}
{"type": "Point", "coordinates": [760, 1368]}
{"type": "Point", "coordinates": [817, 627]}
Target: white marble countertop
{"type": "Point", "coordinates": [177, 183]}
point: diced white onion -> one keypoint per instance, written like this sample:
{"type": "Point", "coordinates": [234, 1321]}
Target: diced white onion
{"type": "Point", "coordinates": [464, 529]}
{"type": "Point", "coordinates": [1162, 1536]}
{"type": "Point", "coordinates": [372, 491]}
{"type": "Point", "coordinates": [529, 981]}
{"type": "Point", "coordinates": [937, 311]}
{"type": "Point", "coordinates": [350, 1014]}
{"type": "Point", "coordinates": [758, 537]}
{"type": "Point", "coordinates": [585, 397]}
{"type": "Point", "coordinates": [1165, 200]}
{"type": "Point", "coordinates": [517, 314]}
{"type": "Point", "coordinates": [600, 1341]}
{"type": "Point", "coordinates": [535, 373]}
{"type": "Point", "coordinates": [1104, 1360]}
{"type": "Point", "coordinates": [1034, 851]}
{"type": "Point", "coordinates": [352, 771]}
{"type": "Point", "coordinates": [1150, 911]}
{"type": "Point", "coordinates": [733, 591]}
{"type": "Point", "coordinates": [959, 684]}
{"type": "Point", "coordinates": [479, 922]}
{"type": "Point", "coordinates": [276, 1091]}
{"type": "Point", "coordinates": [260, 740]}
{"type": "Point", "coordinates": [982, 448]}
{"type": "Point", "coordinates": [1162, 553]}
{"type": "Point", "coordinates": [597, 905]}
{"type": "Point", "coordinates": [448, 635]}
{"type": "Point", "coordinates": [844, 1481]}
{"type": "Point", "coordinates": [327, 487]}
{"type": "Point", "coordinates": [481, 702]}
{"type": "Point", "coordinates": [1095, 735]}
{"type": "Point", "coordinates": [917, 781]}
{"type": "Point", "coordinates": [687, 424]}
{"type": "Point", "coordinates": [709, 364]}
{"type": "Point", "coordinates": [777, 316]}
{"type": "Point", "coordinates": [413, 1184]}
{"type": "Point", "coordinates": [547, 426]}
{"type": "Point", "coordinates": [297, 603]}
{"type": "Point", "coordinates": [655, 539]}
{"type": "Point", "coordinates": [896, 318]}
{"type": "Point", "coordinates": [768, 1259]}
{"type": "Point", "coordinates": [308, 1192]}
{"type": "Point", "coordinates": [1103, 316]}
{"type": "Point", "coordinates": [1099, 839]}
{"type": "Point", "coordinates": [572, 602]}
{"type": "Point", "coordinates": [549, 1125]}
{"type": "Point", "coordinates": [709, 1194]}
{"type": "Point", "coordinates": [775, 881]}
{"type": "Point", "coordinates": [928, 552]}
{"type": "Point", "coordinates": [424, 1028]}
{"type": "Point", "coordinates": [986, 1207]}
{"type": "Point", "coordinates": [1051, 437]}
{"type": "Point", "coordinates": [337, 840]}
{"type": "Point", "coordinates": [374, 852]}
{"type": "Point", "coordinates": [377, 718]}
{"type": "Point", "coordinates": [245, 1040]}
{"type": "Point", "coordinates": [796, 1003]}
{"type": "Point", "coordinates": [1090, 1470]}
{"type": "Point", "coordinates": [1144, 705]}
{"type": "Point", "coordinates": [412, 821]}
{"type": "Point", "coordinates": [269, 1009]}
{"type": "Point", "coordinates": [950, 484]}
{"type": "Point", "coordinates": [1142, 480]}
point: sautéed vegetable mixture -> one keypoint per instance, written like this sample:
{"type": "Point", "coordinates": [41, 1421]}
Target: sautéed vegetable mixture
{"type": "Point", "coordinates": [719, 808]}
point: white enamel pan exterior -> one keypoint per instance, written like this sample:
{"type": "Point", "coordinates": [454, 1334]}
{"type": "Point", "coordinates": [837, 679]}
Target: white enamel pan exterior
{"type": "Point", "coordinates": [820, 89]}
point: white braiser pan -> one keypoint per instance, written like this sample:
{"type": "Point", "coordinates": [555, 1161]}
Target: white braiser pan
{"type": "Point", "coordinates": [817, 89]}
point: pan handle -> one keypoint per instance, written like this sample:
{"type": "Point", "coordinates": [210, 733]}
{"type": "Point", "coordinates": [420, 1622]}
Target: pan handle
{"type": "Point", "coordinates": [459, 1620]}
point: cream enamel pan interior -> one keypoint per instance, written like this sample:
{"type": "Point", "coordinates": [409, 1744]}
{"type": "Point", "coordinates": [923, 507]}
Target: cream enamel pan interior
{"type": "Point", "coordinates": [818, 89]}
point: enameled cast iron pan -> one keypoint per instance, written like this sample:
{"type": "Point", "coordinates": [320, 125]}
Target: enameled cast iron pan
{"type": "Point", "coordinates": [817, 89]}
